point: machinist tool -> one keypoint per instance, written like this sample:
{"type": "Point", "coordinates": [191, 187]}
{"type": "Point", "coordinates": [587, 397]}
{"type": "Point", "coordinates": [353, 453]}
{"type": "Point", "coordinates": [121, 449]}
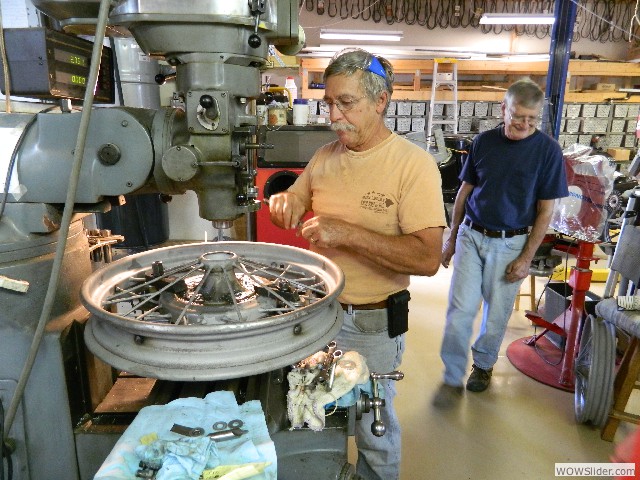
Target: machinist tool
{"type": "Point", "coordinates": [187, 431]}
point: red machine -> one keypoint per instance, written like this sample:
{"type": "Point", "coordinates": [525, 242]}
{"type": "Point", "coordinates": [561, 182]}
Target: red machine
{"type": "Point", "coordinates": [279, 167]}
{"type": "Point", "coordinates": [588, 187]}
{"type": "Point", "coordinates": [271, 181]}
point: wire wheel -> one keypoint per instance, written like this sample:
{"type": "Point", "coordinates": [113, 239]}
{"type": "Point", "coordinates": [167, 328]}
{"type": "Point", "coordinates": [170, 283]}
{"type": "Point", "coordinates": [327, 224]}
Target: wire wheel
{"type": "Point", "coordinates": [212, 311]}
{"type": "Point", "coordinates": [594, 371]}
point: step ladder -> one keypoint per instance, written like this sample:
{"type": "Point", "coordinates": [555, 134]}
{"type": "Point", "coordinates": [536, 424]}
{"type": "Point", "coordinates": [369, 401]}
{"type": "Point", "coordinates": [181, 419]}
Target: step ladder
{"type": "Point", "coordinates": [448, 78]}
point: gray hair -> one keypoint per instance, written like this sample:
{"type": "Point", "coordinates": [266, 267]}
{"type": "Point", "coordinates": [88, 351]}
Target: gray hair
{"type": "Point", "coordinates": [524, 92]}
{"type": "Point", "coordinates": [348, 62]}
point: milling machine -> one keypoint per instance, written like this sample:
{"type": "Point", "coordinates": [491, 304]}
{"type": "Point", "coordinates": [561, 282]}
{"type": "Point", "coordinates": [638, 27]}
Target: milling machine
{"type": "Point", "coordinates": [198, 313]}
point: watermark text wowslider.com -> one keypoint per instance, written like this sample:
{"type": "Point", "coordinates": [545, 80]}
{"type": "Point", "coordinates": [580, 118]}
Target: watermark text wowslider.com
{"type": "Point", "coordinates": [595, 469]}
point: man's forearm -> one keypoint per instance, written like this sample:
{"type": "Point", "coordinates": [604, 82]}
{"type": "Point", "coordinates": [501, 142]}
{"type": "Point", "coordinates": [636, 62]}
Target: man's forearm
{"type": "Point", "coordinates": [457, 215]}
{"type": "Point", "coordinates": [413, 254]}
{"type": "Point", "coordinates": [538, 230]}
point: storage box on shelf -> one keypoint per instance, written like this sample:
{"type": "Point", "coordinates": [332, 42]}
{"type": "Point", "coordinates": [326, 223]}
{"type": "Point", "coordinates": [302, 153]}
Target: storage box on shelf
{"type": "Point", "coordinates": [406, 116]}
{"type": "Point", "coordinates": [588, 120]}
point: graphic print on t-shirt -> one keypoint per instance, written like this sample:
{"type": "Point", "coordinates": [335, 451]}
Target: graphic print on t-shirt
{"type": "Point", "coordinates": [376, 202]}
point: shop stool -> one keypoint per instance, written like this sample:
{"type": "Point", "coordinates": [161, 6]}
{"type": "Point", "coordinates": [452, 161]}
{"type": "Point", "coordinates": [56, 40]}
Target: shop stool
{"type": "Point", "coordinates": [531, 294]}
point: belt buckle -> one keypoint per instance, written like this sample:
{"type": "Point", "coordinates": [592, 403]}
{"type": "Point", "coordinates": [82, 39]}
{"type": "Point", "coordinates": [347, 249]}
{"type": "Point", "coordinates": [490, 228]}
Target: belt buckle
{"type": "Point", "coordinates": [485, 232]}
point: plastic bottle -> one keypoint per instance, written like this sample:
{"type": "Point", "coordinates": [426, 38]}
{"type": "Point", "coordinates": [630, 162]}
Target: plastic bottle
{"type": "Point", "coordinates": [300, 111]}
{"type": "Point", "coordinates": [290, 85]}
{"type": "Point", "coordinates": [261, 109]}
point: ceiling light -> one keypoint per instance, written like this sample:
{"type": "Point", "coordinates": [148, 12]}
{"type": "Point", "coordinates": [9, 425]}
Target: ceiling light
{"type": "Point", "coordinates": [517, 18]}
{"type": "Point", "coordinates": [370, 35]}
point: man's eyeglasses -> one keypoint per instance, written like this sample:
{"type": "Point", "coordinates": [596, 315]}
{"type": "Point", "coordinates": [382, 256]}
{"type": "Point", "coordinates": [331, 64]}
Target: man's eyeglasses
{"type": "Point", "coordinates": [520, 119]}
{"type": "Point", "coordinates": [344, 105]}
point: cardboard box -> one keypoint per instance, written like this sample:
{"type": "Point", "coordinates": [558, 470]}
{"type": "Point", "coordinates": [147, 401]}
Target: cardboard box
{"type": "Point", "coordinates": [606, 87]}
{"type": "Point", "coordinates": [619, 154]}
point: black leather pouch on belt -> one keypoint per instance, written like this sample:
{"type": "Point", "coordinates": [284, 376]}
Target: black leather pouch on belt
{"type": "Point", "coordinates": [398, 313]}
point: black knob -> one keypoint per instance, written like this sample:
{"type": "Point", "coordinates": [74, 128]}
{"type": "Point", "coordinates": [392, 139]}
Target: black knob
{"type": "Point", "coordinates": [206, 101]}
{"type": "Point", "coordinates": [162, 79]}
{"type": "Point", "coordinates": [254, 41]}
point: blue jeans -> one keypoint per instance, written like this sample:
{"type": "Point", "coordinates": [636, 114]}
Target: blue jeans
{"type": "Point", "coordinates": [479, 266]}
{"type": "Point", "coordinates": [378, 457]}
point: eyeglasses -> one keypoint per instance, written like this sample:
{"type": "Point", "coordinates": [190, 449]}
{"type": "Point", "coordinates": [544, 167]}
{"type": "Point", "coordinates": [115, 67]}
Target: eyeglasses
{"type": "Point", "coordinates": [520, 119]}
{"type": "Point", "coordinates": [343, 105]}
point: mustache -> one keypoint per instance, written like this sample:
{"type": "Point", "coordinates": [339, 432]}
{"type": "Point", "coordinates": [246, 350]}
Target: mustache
{"type": "Point", "coordinates": [345, 127]}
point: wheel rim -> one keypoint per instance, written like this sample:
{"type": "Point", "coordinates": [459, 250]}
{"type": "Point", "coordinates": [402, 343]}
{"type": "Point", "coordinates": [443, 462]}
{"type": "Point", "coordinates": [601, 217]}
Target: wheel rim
{"type": "Point", "coordinates": [594, 371]}
{"type": "Point", "coordinates": [176, 317]}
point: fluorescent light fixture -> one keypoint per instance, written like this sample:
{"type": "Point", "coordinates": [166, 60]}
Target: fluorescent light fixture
{"type": "Point", "coordinates": [366, 35]}
{"type": "Point", "coordinates": [517, 18]}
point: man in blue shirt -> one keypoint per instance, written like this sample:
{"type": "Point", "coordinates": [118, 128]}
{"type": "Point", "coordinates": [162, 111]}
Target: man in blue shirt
{"type": "Point", "coordinates": [510, 181]}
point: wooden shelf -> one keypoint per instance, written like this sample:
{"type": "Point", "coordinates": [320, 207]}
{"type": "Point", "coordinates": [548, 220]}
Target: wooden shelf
{"type": "Point", "coordinates": [625, 72]}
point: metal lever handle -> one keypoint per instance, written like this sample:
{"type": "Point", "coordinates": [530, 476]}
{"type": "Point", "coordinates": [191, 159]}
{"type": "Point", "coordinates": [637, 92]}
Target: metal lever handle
{"type": "Point", "coordinates": [378, 428]}
{"type": "Point", "coordinates": [162, 79]}
{"type": "Point", "coordinates": [210, 106]}
{"type": "Point", "coordinates": [395, 375]}
{"type": "Point", "coordinates": [257, 8]}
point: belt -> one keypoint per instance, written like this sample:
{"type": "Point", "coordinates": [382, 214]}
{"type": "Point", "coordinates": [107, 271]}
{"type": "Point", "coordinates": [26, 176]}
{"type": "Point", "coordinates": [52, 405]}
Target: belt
{"type": "Point", "coordinates": [495, 233]}
{"type": "Point", "coordinates": [366, 306]}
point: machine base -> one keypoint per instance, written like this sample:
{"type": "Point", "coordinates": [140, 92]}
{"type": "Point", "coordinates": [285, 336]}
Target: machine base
{"type": "Point", "coordinates": [542, 361]}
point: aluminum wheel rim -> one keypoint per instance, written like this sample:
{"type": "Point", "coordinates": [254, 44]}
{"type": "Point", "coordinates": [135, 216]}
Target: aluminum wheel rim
{"type": "Point", "coordinates": [594, 371]}
{"type": "Point", "coordinates": [213, 351]}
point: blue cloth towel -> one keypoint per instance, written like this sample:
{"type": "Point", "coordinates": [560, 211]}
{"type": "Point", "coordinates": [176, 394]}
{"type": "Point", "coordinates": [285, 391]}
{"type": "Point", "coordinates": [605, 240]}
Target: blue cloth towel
{"type": "Point", "coordinates": [185, 458]}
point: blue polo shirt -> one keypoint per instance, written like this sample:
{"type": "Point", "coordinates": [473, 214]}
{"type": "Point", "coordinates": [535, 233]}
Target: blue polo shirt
{"type": "Point", "coordinates": [510, 176]}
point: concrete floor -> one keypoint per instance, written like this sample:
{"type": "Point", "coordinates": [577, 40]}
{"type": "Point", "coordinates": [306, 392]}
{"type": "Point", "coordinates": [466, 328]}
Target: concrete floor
{"type": "Point", "coordinates": [518, 428]}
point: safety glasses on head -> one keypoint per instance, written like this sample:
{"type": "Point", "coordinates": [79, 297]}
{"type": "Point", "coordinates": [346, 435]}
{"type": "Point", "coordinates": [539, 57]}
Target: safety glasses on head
{"type": "Point", "coordinates": [374, 66]}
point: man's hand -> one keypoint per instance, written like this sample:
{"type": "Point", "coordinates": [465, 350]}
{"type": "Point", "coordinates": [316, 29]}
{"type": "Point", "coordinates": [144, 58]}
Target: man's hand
{"type": "Point", "coordinates": [518, 269]}
{"type": "Point", "coordinates": [448, 249]}
{"type": "Point", "coordinates": [326, 232]}
{"type": "Point", "coordinates": [286, 210]}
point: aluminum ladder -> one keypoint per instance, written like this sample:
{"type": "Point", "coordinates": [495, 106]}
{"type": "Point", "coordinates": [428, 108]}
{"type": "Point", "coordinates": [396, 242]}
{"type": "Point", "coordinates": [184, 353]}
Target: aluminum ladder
{"type": "Point", "coordinates": [447, 79]}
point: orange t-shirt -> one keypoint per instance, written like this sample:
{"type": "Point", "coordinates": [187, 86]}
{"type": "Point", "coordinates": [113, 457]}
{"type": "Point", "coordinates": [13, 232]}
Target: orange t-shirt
{"type": "Point", "coordinates": [393, 188]}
